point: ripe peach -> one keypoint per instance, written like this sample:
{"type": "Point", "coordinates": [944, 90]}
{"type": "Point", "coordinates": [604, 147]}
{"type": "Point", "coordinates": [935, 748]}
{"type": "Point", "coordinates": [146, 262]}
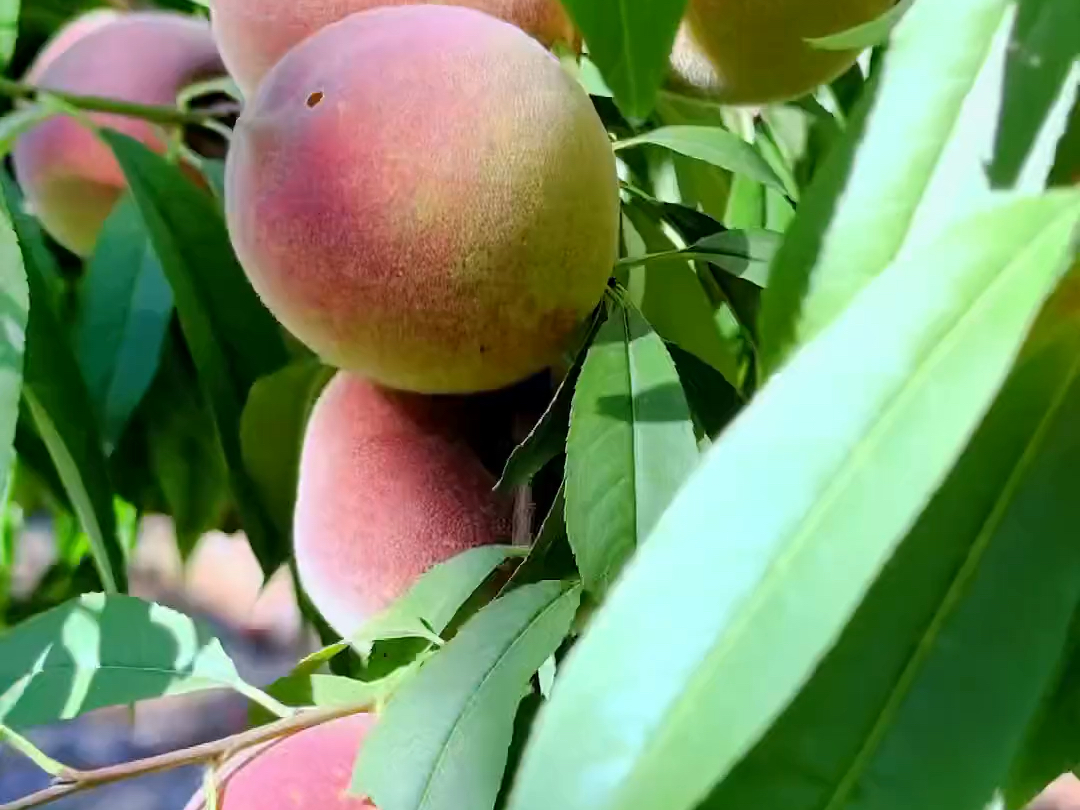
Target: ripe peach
{"type": "Point", "coordinates": [755, 52]}
{"type": "Point", "coordinates": [422, 195]}
{"type": "Point", "coordinates": [310, 770]}
{"type": "Point", "coordinates": [71, 178]}
{"type": "Point", "coordinates": [66, 36]}
{"type": "Point", "coordinates": [386, 491]}
{"type": "Point", "coordinates": [255, 34]}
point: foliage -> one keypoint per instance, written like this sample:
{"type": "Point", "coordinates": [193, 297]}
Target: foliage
{"type": "Point", "coordinates": [801, 496]}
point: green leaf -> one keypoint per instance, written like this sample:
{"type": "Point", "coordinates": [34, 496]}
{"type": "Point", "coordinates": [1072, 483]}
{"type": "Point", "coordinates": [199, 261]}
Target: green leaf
{"type": "Point", "coordinates": [59, 404]}
{"type": "Point", "coordinates": [272, 433]}
{"type": "Point", "coordinates": [20, 120]}
{"type": "Point", "coordinates": [864, 202]}
{"type": "Point", "coordinates": [867, 35]}
{"type": "Point", "coordinates": [631, 445]}
{"type": "Point", "coordinates": [1052, 746]}
{"type": "Point", "coordinates": [303, 689]}
{"type": "Point", "coordinates": [630, 42]}
{"type": "Point", "coordinates": [1066, 168]}
{"type": "Point", "coordinates": [744, 254]}
{"type": "Point", "coordinates": [442, 740]}
{"type": "Point", "coordinates": [185, 455]}
{"type": "Point", "coordinates": [124, 315]}
{"type": "Point", "coordinates": [952, 648]}
{"type": "Point", "coordinates": [550, 556]}
{"type": "Point", "coordinates": [9, 29]}
{"type": "Point", "coordinates": [14, 310]}
{"type": "Point", "coordinates": [715, 146]}
{"type": "Point", "coordinates": [674, 299]}
{"type": "Point", "coordinates": [547, 440]}
{"type": "Point", "coordinates": [754, 570]}
{"type": "Point", "coordinates": [100, 650]}
{"type": "Point", "coordinates": [712, 399]}
{"type": "Point", "coordinates": [1038, 83]}
{"type": "Point", "coordinates": [427, 608]}
{"type": "Point", "coordinates": [233, 339]}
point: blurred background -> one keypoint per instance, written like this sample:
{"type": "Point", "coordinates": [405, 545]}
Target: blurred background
{"type": "Point", "coordinates": [258, 623]}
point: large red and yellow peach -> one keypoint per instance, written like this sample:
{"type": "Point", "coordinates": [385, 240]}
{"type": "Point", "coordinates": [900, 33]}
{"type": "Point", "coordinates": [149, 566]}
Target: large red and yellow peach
{"type": "Point", "coordinates": [70, 178]}
{"type": "Point", "coordinates": [422, 195]}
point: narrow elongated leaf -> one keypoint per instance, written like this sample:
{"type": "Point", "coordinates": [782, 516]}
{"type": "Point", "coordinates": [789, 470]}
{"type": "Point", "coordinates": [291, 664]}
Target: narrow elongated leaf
{"type": "Point", "coordinates": [631, 445]}
{"type": "Point", "coordinates": [1052, 746]}
{"type": "Point", "coordinates": [123, 318]}
{"type": "Point", "coordinates": [100, 650]}
{"type": "Point", "coordinates": [442, 740]}
{"type": "Point", "coordinates": [302, 689]}
{"type": "Point", "coordinates": [630, 41]}
{"type": "Point", "coordinates": [232, 338]}
{"type": "Point", "coordinates": [18, 121]}
{"type": "Point", "coordinates": [867, 35]}
{"type": "Point", "coordinates": [59, 405]}
{"type": "Point", "coordinates": [272, 433]}
{"type": "Point", "coordinates": [9, 29]}
{"type": "Point", "coordinates": [673, 298]}
{"type": "Point", "coordinates": [756, 567]}
{"type": "Point", "coordinates": [428, 606]}
{"type": "Point", "coordinates": [14, 310]}
{"type": "Point", "coordinates": [1038, 82]}
{"type": "Point", "coordinates": [546, 441]}
{"type": "Point", "coordinates": [856, 216]}
{"type": "Point", "coordinates": [744, 254]}
{"type": "Point", "coordinates": [715, 146]}
{"type": "Point", "coordinates": [550, 556]}
{"type": "Point", "coordinates": [185, 455]}
{"type": "Point", "coordinates": [953, 646]}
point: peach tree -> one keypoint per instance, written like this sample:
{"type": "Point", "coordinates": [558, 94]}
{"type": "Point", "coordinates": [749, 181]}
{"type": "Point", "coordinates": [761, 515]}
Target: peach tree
{"type": "Point", "coordinates": [656, 403]}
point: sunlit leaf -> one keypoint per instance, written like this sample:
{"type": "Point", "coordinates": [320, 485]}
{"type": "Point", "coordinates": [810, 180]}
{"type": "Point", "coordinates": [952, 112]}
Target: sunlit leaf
{"type": "Point", "coordinates": [753, 572]}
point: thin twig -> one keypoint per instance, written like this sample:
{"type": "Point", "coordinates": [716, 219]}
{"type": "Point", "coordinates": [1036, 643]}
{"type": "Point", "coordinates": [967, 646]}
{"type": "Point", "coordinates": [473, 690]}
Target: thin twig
{"type": "Point", "coordinates": [74, 781]}
{"type": "Point", "coordinates": [148, 112]}
{"type": "Point", "coordinates": [31, 752]}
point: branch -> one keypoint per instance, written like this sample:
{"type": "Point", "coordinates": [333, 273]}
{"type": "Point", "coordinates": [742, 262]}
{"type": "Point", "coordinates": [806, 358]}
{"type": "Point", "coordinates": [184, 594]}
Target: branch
{"type": "Point", "coordinates": [73, 781]}
{"type": "Point", "coordinates": [148, 112]}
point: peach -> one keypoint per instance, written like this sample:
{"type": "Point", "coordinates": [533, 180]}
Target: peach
{"type": "Point", "coordinates": [422, 195]}
{"type": "Point", "coordinates": [755, 52]}
{"type": "Point", "coordinates": [255, 34]}
{"type": "Point", "coordinates": [71, 179]}
{"type": "Point", "coordinates": [310, 770]}
{"type": "Point", "coordinates": [386, 490]}
{"type": "Point", "coordinates": [66, 36]}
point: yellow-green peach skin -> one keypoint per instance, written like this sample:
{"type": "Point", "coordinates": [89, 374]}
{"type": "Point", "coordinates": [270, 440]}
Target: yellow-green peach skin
{"type": "Point", "coordinates": [755, 51]}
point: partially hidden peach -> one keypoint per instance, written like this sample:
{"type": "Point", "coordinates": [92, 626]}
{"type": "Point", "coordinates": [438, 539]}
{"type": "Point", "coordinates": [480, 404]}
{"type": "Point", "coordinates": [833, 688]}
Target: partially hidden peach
{"type": "Point", "coordinates": [387, 489]}
{"type": "Point", "coordinates": [755, 52]}
{"type": "Point", "coordinates": [422, 195]}
{"type": "Point", "coordinates": [255, 34]}
{"type": "Point", "coordinates": [310, 770]}
{"type": "Point", "coordinates": [70, 178]}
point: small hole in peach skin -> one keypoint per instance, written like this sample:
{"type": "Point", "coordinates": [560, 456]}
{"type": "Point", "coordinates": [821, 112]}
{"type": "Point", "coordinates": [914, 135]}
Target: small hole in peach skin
{"type": "Point", "coordinates": [314, 99]}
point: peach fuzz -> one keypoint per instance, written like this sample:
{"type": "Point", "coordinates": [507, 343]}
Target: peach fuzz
{"type": "Point", "coordinates": [309, 770]}
{"type": "Point", "coordinates": [386, 491]}
{"type": "Point", "coordinates": [755, 52]}
{"type": "Point", "coordinates": [70, 178]}
{"type": "Point", "coordinates": [255, 34]}
{"type": "Point", "coordinates": [422, 195]}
